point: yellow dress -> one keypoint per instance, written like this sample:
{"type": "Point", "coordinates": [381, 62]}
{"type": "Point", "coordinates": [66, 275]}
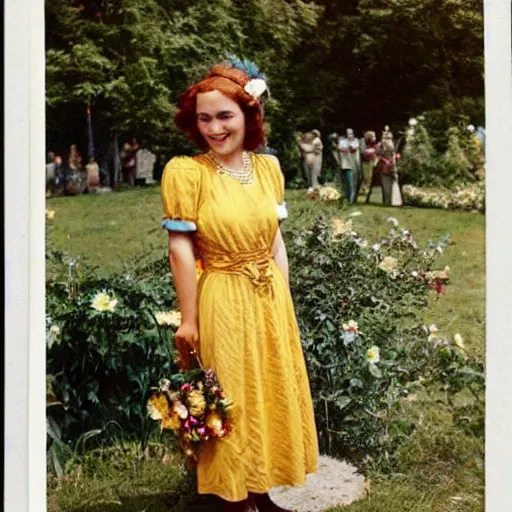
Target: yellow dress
{"type": "Point", "coordinates": [247, 326]}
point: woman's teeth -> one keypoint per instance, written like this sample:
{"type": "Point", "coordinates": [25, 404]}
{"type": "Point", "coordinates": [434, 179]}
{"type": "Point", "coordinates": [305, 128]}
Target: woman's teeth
{"type": "Point", "coordinates": [219, 139]}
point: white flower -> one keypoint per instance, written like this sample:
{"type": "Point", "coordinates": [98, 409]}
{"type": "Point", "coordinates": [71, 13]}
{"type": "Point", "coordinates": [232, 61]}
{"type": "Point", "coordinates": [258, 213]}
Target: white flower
{"type": "Point", "coordinates": [255, 87]}
{"type": "Point", "coordinates": [439, 249]}
{"type": "Point", "coordinates": [376, 247]}
{"type": "Point", "coordinates": [388, 264]}
{"type": "Point", "coordinates": [168, 318]}
{"type": "Point", "coordinates": [102, 302]}
{"type": "Point", "coordinates": [393, 221]}
{"type": "Point", "coordinates": [433, 329]}
{"type": "Point", "coordinates": [373, 355]}
{"type": "Point", "coordinates": [413, 121]}
{"type": "Point", "coordinates": [181, 410]}
{"type": "Point", "coordinates": [470, 128]}
{"type": "Point", "coordinates": [414, 273]}
{"type": "Point", "coordinates": [459, 342]}
{"type": "Point", "coordinates": [355, 214]}
{"type": "Point", "coordinates": [55, 329]}
{"type": "Point", "coordinates": [353, 324]}
{"type": "Point", "coordinates": [339, 227]}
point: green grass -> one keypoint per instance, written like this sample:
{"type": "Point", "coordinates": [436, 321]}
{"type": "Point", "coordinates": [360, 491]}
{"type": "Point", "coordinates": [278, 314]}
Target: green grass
{"type": "Point", "coordinates": [440, 467]}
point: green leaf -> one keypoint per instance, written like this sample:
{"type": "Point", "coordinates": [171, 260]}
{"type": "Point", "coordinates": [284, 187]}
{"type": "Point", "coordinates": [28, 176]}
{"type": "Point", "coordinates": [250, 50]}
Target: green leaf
{"type": "Point", "coordinates": [374, 370]}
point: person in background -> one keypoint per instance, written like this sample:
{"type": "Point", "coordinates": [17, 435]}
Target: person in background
{"type": "Point", "coordinates": [129, 162]}
{"type": "Point", "coordinates": [347, 150]}
{"type": "Point", "coordinates": [93, 175]}
{"type": "Point", "coordinates": [386, 167]}
{"type": "Point", "coordinates": [355, 160]}
{"type": "Point", "coordinates": [75, 158]}
{"type": "Point", "coordinates": [58, 183]}
{"type": "Point", "coordinates": [311, 148]}
{"type": "Point", "coordinates": [369, 157]}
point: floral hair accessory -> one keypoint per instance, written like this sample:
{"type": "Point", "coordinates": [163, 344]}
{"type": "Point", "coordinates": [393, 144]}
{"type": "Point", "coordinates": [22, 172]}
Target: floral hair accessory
{"type": "Point", "coordinates": [257, 84]}
{"type": "Point", "coordinates": [256, 87]}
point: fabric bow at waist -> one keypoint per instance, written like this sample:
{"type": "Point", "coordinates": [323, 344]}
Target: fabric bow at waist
{"type": "Point", "coordinates": [257, 266]}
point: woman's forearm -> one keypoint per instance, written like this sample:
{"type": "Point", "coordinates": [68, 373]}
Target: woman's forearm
{"type": "Point", "coordinates": [183, 268]}
{"type": "Point", "coordinates": [280, 257]}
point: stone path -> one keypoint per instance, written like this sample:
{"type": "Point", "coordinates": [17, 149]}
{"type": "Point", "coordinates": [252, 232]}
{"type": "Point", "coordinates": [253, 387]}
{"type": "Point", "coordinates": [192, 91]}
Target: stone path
{"type": "Point", "coordinates": [336, 483]}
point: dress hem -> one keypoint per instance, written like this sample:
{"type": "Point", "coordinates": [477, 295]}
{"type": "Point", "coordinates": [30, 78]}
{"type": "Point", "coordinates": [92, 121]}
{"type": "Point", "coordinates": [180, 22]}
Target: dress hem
{"type": "Point", "coordinates": [280, 483]}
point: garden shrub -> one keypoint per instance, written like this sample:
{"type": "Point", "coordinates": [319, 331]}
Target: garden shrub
{"type": "Point", "coordinates": [470, 198]}
{"type": "Point", "coordinates": [423, 165]}
{"type": "Point", "coordinates": [358, 306]}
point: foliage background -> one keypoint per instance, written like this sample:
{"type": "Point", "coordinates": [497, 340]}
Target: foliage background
{"type": "Point", "coordinates": [330, 65]}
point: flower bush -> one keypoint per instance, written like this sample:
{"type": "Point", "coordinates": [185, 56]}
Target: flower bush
{"type": "Point", "coordinates": [357, 301]}
{"type": "Point", "coordinates": [108, 342]}
{"type": "Point", "coordinates": [470, 198]}
{"type": "Point", "coordinates": [458, 164]}
{"type": "Point", "coordinates": [323, 193]}
{"type": "Point", "coordinates": [358, 305]}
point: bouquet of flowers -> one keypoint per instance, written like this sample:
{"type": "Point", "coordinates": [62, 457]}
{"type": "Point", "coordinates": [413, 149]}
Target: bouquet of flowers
{"type": "Point", "coordinates": [326, 193]}
{"type": "Point", "coordinates": [193, 406]}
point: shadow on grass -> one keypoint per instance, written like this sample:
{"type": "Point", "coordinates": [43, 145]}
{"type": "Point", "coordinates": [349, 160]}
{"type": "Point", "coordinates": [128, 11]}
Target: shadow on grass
{"type": "Point", "coordinates": [163, 502]}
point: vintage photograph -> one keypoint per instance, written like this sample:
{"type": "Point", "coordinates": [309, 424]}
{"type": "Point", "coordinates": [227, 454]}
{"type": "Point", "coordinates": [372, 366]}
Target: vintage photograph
{"type": "Point", "coordinates": [265, 255]}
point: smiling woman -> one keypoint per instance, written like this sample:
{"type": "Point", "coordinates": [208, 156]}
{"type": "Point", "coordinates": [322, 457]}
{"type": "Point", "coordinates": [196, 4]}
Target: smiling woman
{"type": "Point", "coordinates": [225, 206]}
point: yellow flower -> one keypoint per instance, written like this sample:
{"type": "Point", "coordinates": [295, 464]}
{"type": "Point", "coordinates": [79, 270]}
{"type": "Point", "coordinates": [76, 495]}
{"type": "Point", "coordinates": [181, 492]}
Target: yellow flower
{"type": "Point", "coordinates": [102, 302]}
{"type": "Point", "coordinates": [329, 194]}
{"type": "Point", "coordinates": [373, 355]}
{"type": "Point", "coordinates": [214, 422]}
{"type": "Point", "coordinates": [50, 214]}
{"type": "Point", "coordinates": [158, 407]}
{"type": "Point", "coordinates": [340, 227]}
{"type": "Point", "coordinates": [196, 403]}
{"type": "Point", "coordinates": [169, 319]}
{"type": "Point", "coordinates": [459, 342]}
{"type": "Point", "coordinates": [388, 264]}
{"type": "Point", "coordinates": [171, 422]}
{"type": "Point", "coordinates": [55, 329]}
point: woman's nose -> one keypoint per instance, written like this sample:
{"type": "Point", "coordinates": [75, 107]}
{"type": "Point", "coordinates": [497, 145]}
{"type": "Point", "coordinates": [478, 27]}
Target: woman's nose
{"type": "Point", "coordinates": [215, 127]}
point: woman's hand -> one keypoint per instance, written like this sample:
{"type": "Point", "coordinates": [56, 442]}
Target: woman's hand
{"type": "Point", "coordinates": [187, 343]}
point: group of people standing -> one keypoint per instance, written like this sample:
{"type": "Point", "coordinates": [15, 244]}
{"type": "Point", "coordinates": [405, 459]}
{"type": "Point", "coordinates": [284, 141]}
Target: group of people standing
{"type": "Point", "coordinates": [71, 176]}
{"type": "Point", "coordinates": [361, 164]}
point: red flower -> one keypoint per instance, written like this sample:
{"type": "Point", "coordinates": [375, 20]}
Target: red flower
{"type": "Point", "coordinates": [438, 286]}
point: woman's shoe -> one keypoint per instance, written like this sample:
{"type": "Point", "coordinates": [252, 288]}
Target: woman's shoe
{"type": "Point", "coordinates": [265, 504]}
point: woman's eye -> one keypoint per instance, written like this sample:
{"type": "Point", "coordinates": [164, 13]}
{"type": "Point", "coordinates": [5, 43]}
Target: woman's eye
{"type": "Point", "coordinates": [225, 116]}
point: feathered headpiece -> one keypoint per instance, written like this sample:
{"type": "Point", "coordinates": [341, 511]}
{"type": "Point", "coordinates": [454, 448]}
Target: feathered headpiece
{"type": "Point", "coordinates": [257, 85]}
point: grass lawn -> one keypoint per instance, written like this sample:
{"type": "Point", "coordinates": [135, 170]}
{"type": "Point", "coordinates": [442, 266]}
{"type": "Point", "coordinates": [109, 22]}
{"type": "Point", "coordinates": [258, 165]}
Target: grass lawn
{"type": "Point", "coordinates": [441, 468]}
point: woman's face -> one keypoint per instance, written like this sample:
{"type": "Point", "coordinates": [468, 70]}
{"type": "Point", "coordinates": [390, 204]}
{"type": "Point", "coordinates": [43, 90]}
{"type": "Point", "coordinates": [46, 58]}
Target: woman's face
{"type": "Point", "coordinates": [221, 122]}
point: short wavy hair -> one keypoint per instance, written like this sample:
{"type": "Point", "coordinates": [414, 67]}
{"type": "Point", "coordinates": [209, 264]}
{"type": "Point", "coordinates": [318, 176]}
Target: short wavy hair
{"type": "Point", "coordinates": [230, 82]}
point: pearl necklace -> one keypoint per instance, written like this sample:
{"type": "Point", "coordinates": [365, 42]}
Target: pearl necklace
{"type": "Point", "coordinates": [245, 176]}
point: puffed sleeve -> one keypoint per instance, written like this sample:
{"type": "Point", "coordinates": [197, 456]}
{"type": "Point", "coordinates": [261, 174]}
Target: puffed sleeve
{"type": "Point", "coordinates": [278, 185]}
{"type": "Point", "coordinates": [180, 194]}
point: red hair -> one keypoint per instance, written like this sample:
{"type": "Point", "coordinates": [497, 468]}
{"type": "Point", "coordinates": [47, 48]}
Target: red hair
{"type": "Point", "coordinates": [230, 82]}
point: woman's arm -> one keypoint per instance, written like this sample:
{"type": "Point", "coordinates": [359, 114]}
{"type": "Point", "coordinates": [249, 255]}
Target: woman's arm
{"type": "Point", "coordinates": [183, 267]}
{"type": "Point", "coordinates": [279, 255]}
